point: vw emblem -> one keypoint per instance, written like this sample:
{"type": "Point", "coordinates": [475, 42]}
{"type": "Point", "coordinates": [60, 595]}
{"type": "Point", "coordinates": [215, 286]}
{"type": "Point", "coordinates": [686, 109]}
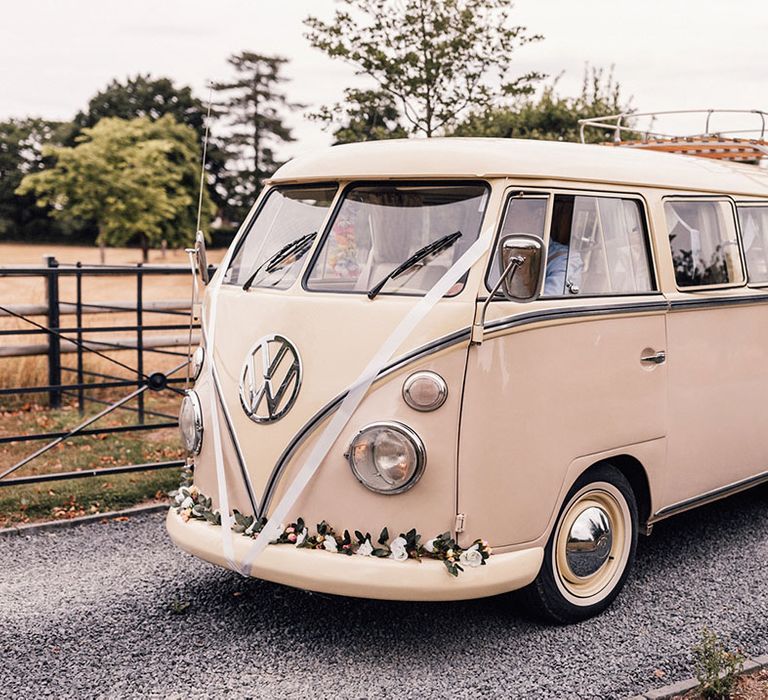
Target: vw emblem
{"type": "Point", "coordinates": [270, 380]}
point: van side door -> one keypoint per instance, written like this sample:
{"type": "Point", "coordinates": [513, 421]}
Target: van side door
{"type": "Point", "coordinates": [578, 373]}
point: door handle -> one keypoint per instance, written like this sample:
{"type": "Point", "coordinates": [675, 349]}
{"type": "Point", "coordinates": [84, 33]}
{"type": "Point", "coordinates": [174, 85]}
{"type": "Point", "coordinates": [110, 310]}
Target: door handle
{"type": "Point", "coordinates": [657, 358]}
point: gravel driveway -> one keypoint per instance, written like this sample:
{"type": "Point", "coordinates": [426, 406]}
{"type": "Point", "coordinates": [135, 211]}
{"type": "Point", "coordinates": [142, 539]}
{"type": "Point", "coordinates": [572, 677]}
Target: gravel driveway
{"type": "Point", "coordinates": [88, 612]}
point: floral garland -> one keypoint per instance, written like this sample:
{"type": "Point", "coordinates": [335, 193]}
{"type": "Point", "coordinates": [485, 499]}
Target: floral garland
{"type": "Point", "coordinates": [191, 504]}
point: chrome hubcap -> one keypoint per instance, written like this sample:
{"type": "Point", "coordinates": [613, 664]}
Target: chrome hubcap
{"type": "Point", "coordinates": [589, 543]}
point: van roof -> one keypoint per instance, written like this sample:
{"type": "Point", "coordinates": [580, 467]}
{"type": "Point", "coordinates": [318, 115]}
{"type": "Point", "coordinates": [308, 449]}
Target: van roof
{"type": "Point", "coordinates": [489, 158]}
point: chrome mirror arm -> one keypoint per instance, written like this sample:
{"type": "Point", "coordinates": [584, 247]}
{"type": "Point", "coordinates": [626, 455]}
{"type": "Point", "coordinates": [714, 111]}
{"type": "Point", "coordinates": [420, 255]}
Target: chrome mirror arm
{"type": "Point", "coordinates": [478, 326]}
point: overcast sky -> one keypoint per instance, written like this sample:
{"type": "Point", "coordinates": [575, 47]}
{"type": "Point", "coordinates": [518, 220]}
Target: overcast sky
{"type": "Point", "coordinates": [668, 54]}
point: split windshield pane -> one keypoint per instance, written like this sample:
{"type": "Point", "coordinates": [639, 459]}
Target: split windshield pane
{"type": "Point", "coordinates": [288, 214]}
{"type": "Point", "coordinates": [754, 235]}
{"type": "Point", "coordinates": [380, 226]}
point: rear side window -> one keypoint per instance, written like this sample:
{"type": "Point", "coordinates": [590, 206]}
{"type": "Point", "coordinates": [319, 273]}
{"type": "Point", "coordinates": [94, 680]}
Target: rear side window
{"type": "Point", "coordinates": [754, 237]}
{"type": "Point", "coordinates": [704, 243]}
{"type": "Point", "coordinates": [597, 246]}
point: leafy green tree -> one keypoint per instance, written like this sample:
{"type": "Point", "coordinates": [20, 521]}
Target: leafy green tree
{"type": "Point", "coordinates": [436, 58]}
{"type": "Point", "coordinates": [135, 179]}
{"type": "Point", "coordinates": [551, 116]}
{"type": "Point", "coordinates": [364, 115]}
{"type": "Point", "coordinates": [145, 96]}
{"type": "Point", "coordinates": [256, 108]}
{"type": "Point", "coordinates": [21, 144]}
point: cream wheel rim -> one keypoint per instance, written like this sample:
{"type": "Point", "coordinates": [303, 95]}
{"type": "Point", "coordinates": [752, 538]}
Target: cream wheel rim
{"type": "Point", "coordinates": [592, 543]}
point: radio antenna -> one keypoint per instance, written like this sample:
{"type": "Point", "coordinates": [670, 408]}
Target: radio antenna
{"type": "Point", "coordinates": [205, 155]}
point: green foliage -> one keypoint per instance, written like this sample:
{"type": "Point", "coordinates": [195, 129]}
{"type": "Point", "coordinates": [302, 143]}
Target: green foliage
{"type": "Point", "coordinates": [153, 98]}
{"type": "Point", "coordinates": [550, 116]}
{"type": "Point", "coordinates": [21, 146]}
{"type": "Point", "coordinates": [436, 58]}
{"type": "Point", "coordinates": [716, 667]}
{"type": "Point", "coordinates": [135, 179]}
{"type": "Point", "coordinates": [255, 107]}
{"type": "Point", "coordinates": [363, 115]}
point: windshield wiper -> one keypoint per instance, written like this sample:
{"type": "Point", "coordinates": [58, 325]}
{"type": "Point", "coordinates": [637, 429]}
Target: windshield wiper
{"type": "Point", "coordinates": [433, 248]}
{"type": "Point", "coordinates": [297, 247]}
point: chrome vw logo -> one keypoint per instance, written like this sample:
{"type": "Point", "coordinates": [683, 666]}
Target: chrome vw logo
{"type": "Point", "coordinates": [270, 380]}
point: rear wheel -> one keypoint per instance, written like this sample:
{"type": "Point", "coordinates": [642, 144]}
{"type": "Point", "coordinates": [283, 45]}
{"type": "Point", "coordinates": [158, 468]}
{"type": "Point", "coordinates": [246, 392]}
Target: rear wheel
{"type": "Point", "coordinates": [590, 551]}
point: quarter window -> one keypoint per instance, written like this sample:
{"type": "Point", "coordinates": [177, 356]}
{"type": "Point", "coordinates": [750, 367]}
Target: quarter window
{"type": "Point", "coordinates": [704, 243]}
{"type": "Point", "coordinates": [597, 246]}
{"type": "Point", "coordinates": [754, 237]}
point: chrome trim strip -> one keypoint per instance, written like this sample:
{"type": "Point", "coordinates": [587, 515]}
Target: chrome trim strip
{"type": "Point", "coordinates": [682, 304]}
{"type": "Point", "coordinates": [233, 437]}
{"type": "Point", "coordinates": [709, 496]}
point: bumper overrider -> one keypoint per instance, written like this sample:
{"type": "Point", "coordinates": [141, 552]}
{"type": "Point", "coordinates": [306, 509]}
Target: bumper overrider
{"type": "Point", "coordinates": [359, 576]}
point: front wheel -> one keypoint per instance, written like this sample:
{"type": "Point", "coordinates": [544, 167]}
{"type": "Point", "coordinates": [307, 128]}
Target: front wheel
{"type": "Point", "coordinates": [591, 549]}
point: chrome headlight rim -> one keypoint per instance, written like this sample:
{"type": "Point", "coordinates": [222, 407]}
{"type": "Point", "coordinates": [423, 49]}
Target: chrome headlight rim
{"type": "Point", "coordinates": [442, 390]}
{"type": "Point", "coordinates": [416, 442]}
{"type": "Point", "coordinates": [197, 413]}
{"type": "Point", "coordinates": [197, 361]}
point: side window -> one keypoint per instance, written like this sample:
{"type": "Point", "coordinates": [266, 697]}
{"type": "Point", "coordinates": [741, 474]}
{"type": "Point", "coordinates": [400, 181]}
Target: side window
{"type": "Point", "coordinates": [523, 215]}
{"type": "Point", "coordinates": [597, 245]}
{"type": "Point", "coordinates": [754, 237]}
{"type": "Point", "coordinates": [704, 243]}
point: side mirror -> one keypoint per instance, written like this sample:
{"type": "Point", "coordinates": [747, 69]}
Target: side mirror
{"type": "Point", "coordinates": [522, 259]}
{"type": "Point", "coordinates": [202, 257]}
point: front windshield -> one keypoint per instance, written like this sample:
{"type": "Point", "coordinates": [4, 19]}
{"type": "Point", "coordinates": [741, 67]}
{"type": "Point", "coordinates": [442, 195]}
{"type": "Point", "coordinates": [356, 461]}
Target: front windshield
{"type": "Point", "coordinates": [378, 227]}
{"type": "Point", "coordinates": [287, 215]}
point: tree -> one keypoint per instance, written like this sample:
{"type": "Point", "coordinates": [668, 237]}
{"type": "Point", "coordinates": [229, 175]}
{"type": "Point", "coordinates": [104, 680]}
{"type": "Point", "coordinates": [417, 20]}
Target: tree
{"type": "Point", "coordinates": [153, 98]}
{"type": "Point", "coordinates": [21, 144]}
{"type": "Point", "coordinates": [135, 179]}
{"type": "Point", "coordinates": [364, 115]}
{"type": "Point", "coordinates": [256, 109]}
{"type": "Point", "coordinates": [437, 58]}
{"type": "Point", "coordinates": [550, 116]}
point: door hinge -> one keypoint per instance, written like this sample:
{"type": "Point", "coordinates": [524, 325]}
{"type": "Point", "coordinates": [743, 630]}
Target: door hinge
{"type": "Point", "coordinates": [460, 521]}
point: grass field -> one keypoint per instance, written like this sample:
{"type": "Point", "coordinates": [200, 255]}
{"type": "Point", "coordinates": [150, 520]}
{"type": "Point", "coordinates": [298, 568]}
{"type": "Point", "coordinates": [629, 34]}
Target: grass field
{"type": "Point", "coordinates": [27, 413]}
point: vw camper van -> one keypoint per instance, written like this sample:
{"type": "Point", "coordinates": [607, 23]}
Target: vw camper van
{"type": "Point", "coordinates": [453, 368]}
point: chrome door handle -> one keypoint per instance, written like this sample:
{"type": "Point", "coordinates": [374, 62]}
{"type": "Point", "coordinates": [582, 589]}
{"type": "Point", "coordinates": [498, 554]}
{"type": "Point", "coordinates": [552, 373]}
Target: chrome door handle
{"type": "Point", "coordinates": [658, 358]}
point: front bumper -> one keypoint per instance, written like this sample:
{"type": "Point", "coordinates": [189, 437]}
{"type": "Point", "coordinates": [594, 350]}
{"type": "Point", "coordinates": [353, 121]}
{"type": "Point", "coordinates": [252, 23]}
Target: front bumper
{"type": "Point", "coordinates": [363, 577]}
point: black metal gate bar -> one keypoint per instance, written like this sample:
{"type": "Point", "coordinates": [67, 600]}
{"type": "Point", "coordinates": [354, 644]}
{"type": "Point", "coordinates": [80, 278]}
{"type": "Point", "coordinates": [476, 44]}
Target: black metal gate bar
{"type": "Point", "coordinates": [106, 471]}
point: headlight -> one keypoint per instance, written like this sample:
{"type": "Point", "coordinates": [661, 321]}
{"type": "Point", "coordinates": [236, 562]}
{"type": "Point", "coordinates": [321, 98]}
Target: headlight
{"type": "Point", "coordinates": [191, 423]}
{"type": "Point", "coordinates": [387, 457]}
{"type": "Point", "coordinates": [198, 357]}
{"type": "Point", "coordinates": [425, 391]}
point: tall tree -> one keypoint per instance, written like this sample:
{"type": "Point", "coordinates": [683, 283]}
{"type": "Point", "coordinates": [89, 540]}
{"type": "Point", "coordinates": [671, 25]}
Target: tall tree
{"type": "Point", "coordinates": [256, 107]}
{"type": "Point", "coordinates": [136, 180]}
{"type": "Point", "coordinates": [363, 115]}
{"type": "Point", "coordinates": [437, 58]}
{"type": "Point", "coordinates": [21, 146]}
{"type": "Point", "coordinates": [551, 116]}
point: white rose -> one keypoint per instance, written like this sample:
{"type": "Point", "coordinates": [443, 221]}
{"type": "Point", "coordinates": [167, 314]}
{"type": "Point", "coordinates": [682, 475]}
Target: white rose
{"type": "Point", "coordinates": [194, 491]}
{"type": "Point", "coordinates": [471, 557]}
{"type": "Point", "coordinates": [429, 545]}
{"type": "Point", "coordinates": [187, 502]}
{"type": "Point", "coordinates": [365, 549]}
{"type": "Point", "coordinates": [301, 537]}
{"type": "Point", "coordinates": [179, 498]}
{"type": "Point", "coordinates": [330, 544]}
{"type": "Point", "coordinates": [399, 553]}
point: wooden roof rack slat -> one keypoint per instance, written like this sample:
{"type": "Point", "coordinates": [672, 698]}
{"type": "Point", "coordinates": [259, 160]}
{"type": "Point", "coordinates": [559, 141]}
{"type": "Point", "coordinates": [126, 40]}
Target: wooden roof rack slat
{"type": "Point", "coordinates": [731, 145]}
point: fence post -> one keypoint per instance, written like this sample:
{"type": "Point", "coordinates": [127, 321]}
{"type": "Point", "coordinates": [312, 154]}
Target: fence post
{"type": "Point", "coordinates": [54, 344]}
{"type": "Point", "coordinates": [140, 337]}
{"type": "Point", "coordinates": [79, 317]}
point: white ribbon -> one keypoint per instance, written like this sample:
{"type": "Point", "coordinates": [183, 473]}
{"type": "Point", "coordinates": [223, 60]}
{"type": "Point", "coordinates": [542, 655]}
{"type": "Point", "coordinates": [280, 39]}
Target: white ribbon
{"type": "Point", "coordinates": [355, 395]}
{"type": "Point", "coordinates": [226, 519]}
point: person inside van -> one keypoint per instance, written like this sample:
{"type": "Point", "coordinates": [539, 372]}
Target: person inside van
{"type": "Point", "coordinates": [564, 266]}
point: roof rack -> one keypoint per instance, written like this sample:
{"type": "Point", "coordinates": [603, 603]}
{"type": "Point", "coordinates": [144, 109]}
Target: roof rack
{"type": "Point", "coordinates": [728, 144]}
